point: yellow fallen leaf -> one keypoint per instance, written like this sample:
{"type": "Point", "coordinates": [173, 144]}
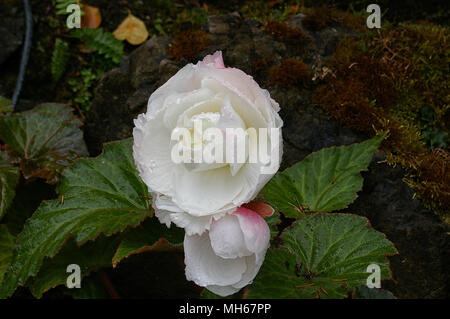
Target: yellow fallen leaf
{"type": "Point", "coordinates": [131, 29]}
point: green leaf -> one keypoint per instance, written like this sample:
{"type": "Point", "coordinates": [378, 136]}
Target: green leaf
{"type": "Point", "coordinates": [101, 41]}
{"type": "Point", "coordinates": [27, 199]}
{"type": "Point", "coordinates": [5, 105]}
{"type": "Point", "coordinates": [365, 292]}
{"type": "Point", "coordinates": [146, 237]}
{"type": "Point", "coordinates": [60, 56]}
{"type": "Point", "coordinates": [91, 257]}
{"type": "Point", "coordinates": [97, 195]}
{"type": "Point", "coordinates": [9, 176]}
{"type": "Point", "coordinates": [272, 222]}
{"type": "Point", "coordinates": [323, 255]}
{"type": "Point", "coordinates": [91, 288]}
{"type": "Point", "coordinates": [324, 181]}
{"type": "Point", "coordinates": [7, 242]}
{"type": "Point", "coordinates": [43, 140]}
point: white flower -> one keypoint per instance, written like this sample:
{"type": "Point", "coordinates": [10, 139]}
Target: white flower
{"type": "Point", "coordinates": [228, 257]}
{"type": "Point", "coordinates": [193, 195]}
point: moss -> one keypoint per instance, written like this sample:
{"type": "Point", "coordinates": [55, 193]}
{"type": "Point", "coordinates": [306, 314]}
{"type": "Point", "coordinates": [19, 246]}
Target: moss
{"type": "Point", "coordinates": [284, 33]}
{"type": "Point", "coordinates": [319, 18]}
{"type": "Point", "coordinates": [291, 72]}
{"type": "Point", "coordinates": [188, 44]}
{"type": "Point", "coordinates": [262, 65]}
{"type": "Point", "coordinates": [348, 20]}
{"type": "Point", "coordinates": [420, 55]}
{"type": "Point", "coordinates": [381, 83]}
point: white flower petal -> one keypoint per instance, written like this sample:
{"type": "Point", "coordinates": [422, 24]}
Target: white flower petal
{"type": "Point", "coordinates": [246, 109]}
{"type": "Point", "coordinates": [255, 230]}
{"type": "Point", "coordinates": [179, 103]}
{"type": "Point", "coordinates": [254, 263]}
{"type": "Point", "coordinates": [227, 239]}
{"type": "Point", "coordinates": [206, 192]}
{"type": "Point", "coordinates": [223, 291]}
{"type": "Point", "coordinates": [152, 154]}
{"type": "Point", "coordinates": [192, 225]}
{"type": "Point", "coordinates": [205, 268]}
{"type": "Point", "coordinates": [194, 195]}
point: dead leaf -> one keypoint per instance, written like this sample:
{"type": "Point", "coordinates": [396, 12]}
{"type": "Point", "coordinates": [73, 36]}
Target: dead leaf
{"type": "Point", "coordinates": [131, 29]}
{"type": "Point", "coordinates": [92, 17]}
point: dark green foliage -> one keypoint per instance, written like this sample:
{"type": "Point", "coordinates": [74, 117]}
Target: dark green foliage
{"type": "Point", "coordinates": [44, 140]}
{"type": "Point", "coordinates": [7, 241]}
{"type": "Point", "coordinates": [146, 237]}
{"type": "Point", "coordinates": [323, 256]}
{"type": "Point", "coordinates": [61, 5]}
{"type": "Point", "coordinates": [324, 181]}
{"type": "Point", "coordinates": [432, 134]}
{"type": "Point", "coordinates": [9, 176]}
{"type": "Point", "coordinates": [90, 257]}
{"type": "Point", "coordinates": [60, 57]}
{"type": "Point", "coordinates": [82, 88]}
{"type": "Point", "coordinates": [102, 42]}
{"type": "Point", "coordinates": [102, 195]}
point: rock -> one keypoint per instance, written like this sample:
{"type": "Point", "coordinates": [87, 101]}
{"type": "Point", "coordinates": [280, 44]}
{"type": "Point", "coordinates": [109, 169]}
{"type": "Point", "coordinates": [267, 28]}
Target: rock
{"type": "Point", "coordinates": [166, 70]}
{"type": "Point", "coordinates": [222, 24]}
{"type": "Point", "coordinates": [144, 61]}
{"type": "Point", "coordinates": [139, 99]}
{"type": "Point", "coordinates": [421, 268]}
{"type": "Point", "coordinates": [109, 117]}
{"type": "Point", "coordinates": [297, 22]}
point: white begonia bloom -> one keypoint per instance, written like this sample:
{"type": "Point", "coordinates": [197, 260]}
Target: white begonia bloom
{"type": "Point", "coordinates": [228, 256]}
{"type": "Point", "coordinates": [192, 195]}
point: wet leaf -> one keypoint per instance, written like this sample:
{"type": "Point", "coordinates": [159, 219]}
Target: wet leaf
{"type": "Point", "coordinates": [102, 195]}
{"type": "Point", "coordinates": [323, 256]}
{"type": "Point", "coordinates": [148, 236]}
{"type": "Point", "coordinates": [9, 176]}
{"type": "Point", "coordinates": [91, 257]}
{"type": "Point", "coordinates": [7, 242]}
{"type": "Point", "coordinates": [44, 140]}
{"type": "Point", "coordinates": [324, 181]}
{"type": "Point", "coordinates": [5, 105]}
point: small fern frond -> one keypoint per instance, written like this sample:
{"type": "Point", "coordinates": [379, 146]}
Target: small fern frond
{"type": "Point", "coordinates": [60, 57]}
{"type": "Point", "coordinates": [102, 42]}
{"type": "Point", "coordinates": [61, 5]}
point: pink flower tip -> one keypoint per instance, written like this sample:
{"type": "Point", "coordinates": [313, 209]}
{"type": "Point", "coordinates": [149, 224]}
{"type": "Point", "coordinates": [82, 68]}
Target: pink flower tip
{"type": "Point", "coordinates": [215, 59]}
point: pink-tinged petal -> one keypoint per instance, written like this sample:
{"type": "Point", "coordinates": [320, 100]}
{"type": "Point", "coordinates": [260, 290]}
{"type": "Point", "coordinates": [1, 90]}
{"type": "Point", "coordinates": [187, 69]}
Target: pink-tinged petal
{"type": "Point", "coordinates": [205, 268]}
{"type": "Point", "coordinates": [216, 59]}
{"type": "Point", "coordinates": [227, 239]}
{"type": "Point", "coordinates": [255, 229]}
{"type": "Point", "coordinates": [261, 208]}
